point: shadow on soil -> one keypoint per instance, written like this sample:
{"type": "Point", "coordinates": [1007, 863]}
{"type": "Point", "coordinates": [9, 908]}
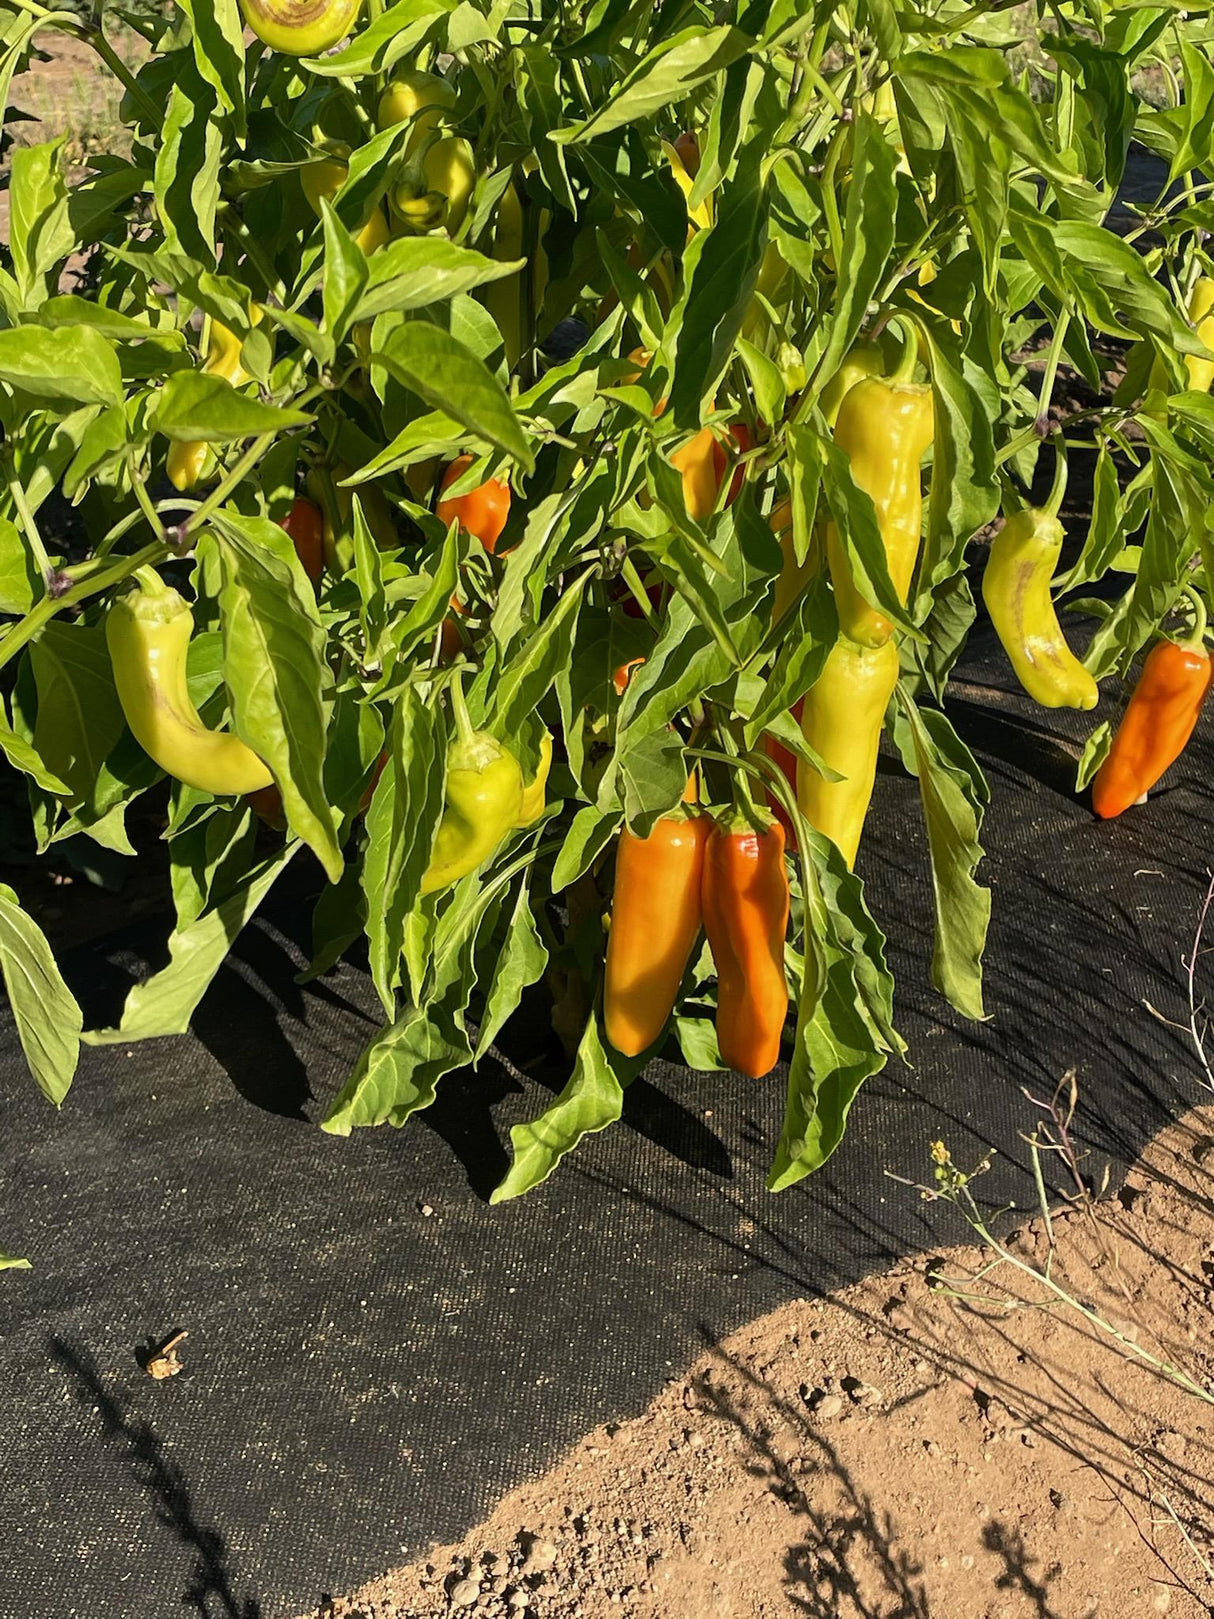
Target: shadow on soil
{"type": "Point", "coordinates": [208, 1592]}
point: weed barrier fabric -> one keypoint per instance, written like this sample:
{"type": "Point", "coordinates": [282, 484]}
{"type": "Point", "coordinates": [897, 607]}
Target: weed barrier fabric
{"type": "Point", "coordinates": [374, 1354]}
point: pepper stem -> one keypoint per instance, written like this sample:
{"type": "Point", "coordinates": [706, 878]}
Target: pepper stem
{"type": "Point", "coordinates": [904, 371]}
{"type": "Point", "coordinates": [1058, 487]}
{"type": "Point", "coordinates": [150, 582]}
{"type": "Point", "coordinates": [1195, 640]}
{"type": "Point", "coordinates": [463, 720]}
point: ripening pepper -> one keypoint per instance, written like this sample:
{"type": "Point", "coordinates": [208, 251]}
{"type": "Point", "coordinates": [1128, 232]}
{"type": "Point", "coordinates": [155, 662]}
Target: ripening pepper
{"type": "Point", "coordinates": [482, 511]}
{"type": "Point", "coordinates": [1200, 373]}
{"type": "Point", "coordinates": [305, 525]}
{"type": "Point", "coordinates": [862, 360]}
{"type": "Point", "coordinates": [1157, 724]}
{"type": "Point", "coordinates": [746, 902]}
{"type": "Point", "coordinates": [147, 631]}
{"type": "Point", "coordinates": [1016, 590]}
{"type": "Point", "coordinates": [323, 180]}
{"type": "Point", "coordinates": [884, 426]}
{"type": "Point", "coordinates": [483, 799]}
{"type": "Point", "coordinates": [696, 464]}
{"type": "Point", "coordinates": [683, 156]}
{"type": "Point", "coordinates": [424, 99]}
{"type": "Point", "coordinates": [535, 791]}
{"type": "Point", "coordinates": [337, 511]}
{"type": "Point", "coordinates": [655, 920]}
{"type": "Point", "coordinates": [187, 459]}
{"type": "Point", "coordinates": [296, 29]}
{"type": "Point", "coordinates": [841, 720]}
{"type": "Point", "coordinates": [504, 299]}
{"type": "Point", "coordinates": [450, 174]}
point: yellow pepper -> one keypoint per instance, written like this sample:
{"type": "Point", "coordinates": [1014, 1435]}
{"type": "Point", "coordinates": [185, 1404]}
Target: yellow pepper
{"type": "Point", "coordinates": [842, 718]}
{"type": "Point", "coordinates": [187, 459]}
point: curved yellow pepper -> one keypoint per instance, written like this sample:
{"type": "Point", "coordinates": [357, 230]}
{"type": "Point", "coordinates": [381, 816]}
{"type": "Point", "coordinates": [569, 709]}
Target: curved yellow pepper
{"type": "Point", "coordinates": [1201, 317]}
{"type": "Point", "coordinates": [1016, 590]}
{"type": "Point", "coordinates": [148, 634]}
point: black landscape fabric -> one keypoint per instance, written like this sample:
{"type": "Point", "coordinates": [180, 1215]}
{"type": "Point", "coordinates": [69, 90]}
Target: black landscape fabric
{"type": "Point", "coordinates": [374, 1354]}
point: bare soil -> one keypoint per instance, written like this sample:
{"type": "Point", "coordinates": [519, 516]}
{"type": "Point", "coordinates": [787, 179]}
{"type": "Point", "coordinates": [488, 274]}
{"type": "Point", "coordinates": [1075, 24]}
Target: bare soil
{"type": "Point", "coordinates": [894, 1452]}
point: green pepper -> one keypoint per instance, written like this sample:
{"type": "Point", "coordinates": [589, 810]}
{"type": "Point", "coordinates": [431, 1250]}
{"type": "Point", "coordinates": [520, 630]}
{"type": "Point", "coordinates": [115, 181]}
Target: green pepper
{"type": "Point", "coordinates": [483, 795]}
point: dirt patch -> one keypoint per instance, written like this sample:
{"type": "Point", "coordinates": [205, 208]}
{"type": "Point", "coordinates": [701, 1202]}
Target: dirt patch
{"type": "Point", "coordinates": [894, 1453]}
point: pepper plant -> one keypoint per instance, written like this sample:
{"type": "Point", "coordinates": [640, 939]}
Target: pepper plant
{"type": "Point", "coordinates": [573, 338]}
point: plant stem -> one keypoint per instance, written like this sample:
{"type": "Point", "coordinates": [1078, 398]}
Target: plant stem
{"type": "Point", "coordinates": [89, 580]}
{"type": "Point", "coordinates": [142, 496]}
{"type": "Point", "coordinates": [31, 530]}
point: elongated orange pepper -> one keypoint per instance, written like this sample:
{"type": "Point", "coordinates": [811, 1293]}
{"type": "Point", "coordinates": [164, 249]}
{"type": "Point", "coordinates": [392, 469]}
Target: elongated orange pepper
{"type": "Point", "coordinates": [1157, 723]}
{"type": "Point", "coordinates": [746, 904]}
{"type": "Point", "coordinates": [655, 919]}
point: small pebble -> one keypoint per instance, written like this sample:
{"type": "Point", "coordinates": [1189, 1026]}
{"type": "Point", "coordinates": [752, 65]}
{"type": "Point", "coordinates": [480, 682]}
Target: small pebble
{"type": "Point", "coordinates": [465, 1594]}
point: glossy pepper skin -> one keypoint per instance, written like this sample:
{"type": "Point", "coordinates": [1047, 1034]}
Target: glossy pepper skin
{"type": "Point", "coordinates": [422, 98]}
{"type": "Point", "coordinates": [883, 428]}
{"type": "Point", "coordinates": [187, 459]}
{"type": "Point", "coordinates": [841, 719]}
{"type": "Point", "coordinates": [1155, 727]}
{"type": "Point", "coordinates": [1200, 373]}
{"type": "Point", "coordinates": [1016, 590]}
{"type": "Point", "coordinates": [450, 174]}
{"type": "Point", "coordinates": [323, 180]}
{"type": "Point", "coordinates": [148, 633]}
{"type": "Point", "coordinates": [301, 27]}
{"type": "Point", "coordinates": [504, 299]}
{"type": "Point", "coordinates": [746, 903]}
{"type": "Point", "coordinates": [483, 511]}
{"type": "Point", "coordinates": [655, 920]}
{"type": "Point", "coordinates": [696, 464]}
{"type": "Point", "coordinates": [483, 795]}
{"type": "Point", "coordinates": [862, 360]}
{"type": "Point", "coordinates": [535, 792]}
{"type": "Point", "coordinates": [305, 525]}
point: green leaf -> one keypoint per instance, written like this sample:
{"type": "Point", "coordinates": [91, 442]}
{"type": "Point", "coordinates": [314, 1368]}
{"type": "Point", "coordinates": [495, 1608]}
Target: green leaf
{"type": "Point", "coordinates": [667, 74]}
{"type": "Point", "coordinates": [20, 578]}
{"type": "Point", "coordinates": [186, 184]}
{"type": "Point", "coordinates": [79, 715]}
{"type": "Point", "coordinates": [590, 831]}
{"type": "Point", "coordinates": [45, 1010]}
{"type": "Point", "coordinates": [345, 274]}
{"type": "Point", "coordinates": [210, 858]}
{"type": "Point", "coordinates": [165, 1002]}
{"type": "Point", "coordinates": [73, 363]}
{"type": "Point", "coordinates": [416, 271]}
{"type": "Point", "coordinates": [277, 677]}
{"type": "Point", "coordinates": [196, 406]}
{"type": "Point", "coordinates": [520, 963]}
{"type": "Point", "coordinates": [396, 32]}
{"type": "Point", "coordinates": [720, 269]}
{"type": "Point", "coordinates": [218, 39]}
{"type": "Point", "coordinates": [40, 232]}
{"type": "Point", "coordinates": [10, 1262]}
{"type": "Point", "coordinates": [868, 238]}
{"type": "Point", "coordinates": [844, 1034]}
{"type": "Point", "coordinates": [401, 822]}
{"type": "Point", "coordinates": [529, 675]}
{"type": "Point", "coordinates": [953, 793]}
{"type": "Point", "coordinates": [448, 376]}
{"type": "Point", "coordinates": [399, 1070]}
{"type": "Point", "coordinates": [964, 489]}
{"type": "Point", "coordinates": [1095, 752]}
{"type": "Point", "coordinates": [593, 1099]}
